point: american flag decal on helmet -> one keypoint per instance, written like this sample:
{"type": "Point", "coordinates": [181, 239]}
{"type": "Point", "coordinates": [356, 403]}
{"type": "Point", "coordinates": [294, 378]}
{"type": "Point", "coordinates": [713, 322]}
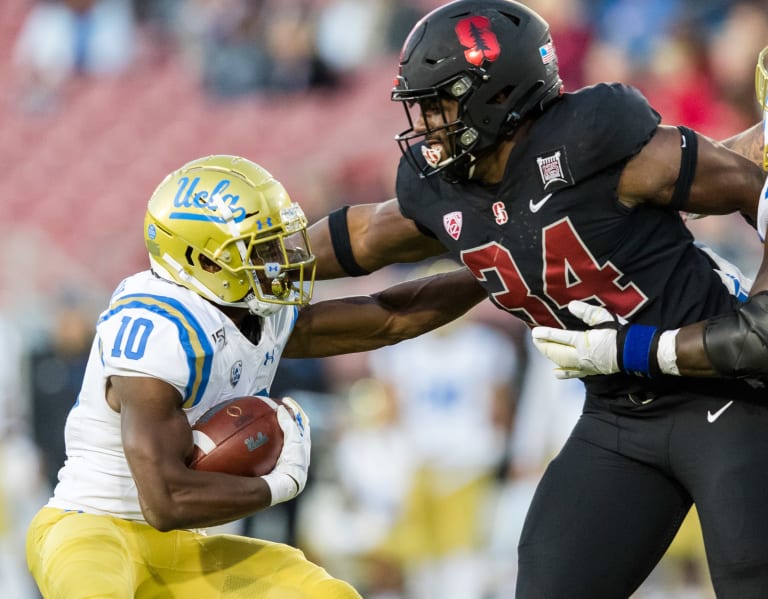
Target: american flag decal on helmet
{"type": "Point", "coordinates": [475, 34]}
{"type": "Point", "coordinates": [547, 53]}
{"type": "Point", "coordinates": [452, 223]}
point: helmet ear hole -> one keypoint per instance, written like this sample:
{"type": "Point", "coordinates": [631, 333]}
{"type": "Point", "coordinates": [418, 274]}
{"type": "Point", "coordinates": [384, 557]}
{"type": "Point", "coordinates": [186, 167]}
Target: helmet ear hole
{"type": "Point", "coordinates": [206, 263]}
{"type": "Point", "coordinates": [188, 256]}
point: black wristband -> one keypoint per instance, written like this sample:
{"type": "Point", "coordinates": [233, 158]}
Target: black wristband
{"type": "Point", "coordinates": [337, 224]}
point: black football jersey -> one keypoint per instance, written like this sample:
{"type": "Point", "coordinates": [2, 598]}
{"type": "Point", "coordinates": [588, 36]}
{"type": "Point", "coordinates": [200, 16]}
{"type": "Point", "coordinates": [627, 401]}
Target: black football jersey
{"type": "Point", "coordinates": [553, 230]}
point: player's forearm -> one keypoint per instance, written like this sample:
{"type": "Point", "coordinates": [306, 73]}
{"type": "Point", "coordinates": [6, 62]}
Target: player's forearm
{"type": "Point", "coordinates": [731, 345]}
{"type": "Point", "coordinates": [195, 499]}
{"type": "Point", "coordinates": [748, 143]}
{"type": "Point", "coordinates": [691, 356]}
{"type": "Point", "coordinates": [404, 311]}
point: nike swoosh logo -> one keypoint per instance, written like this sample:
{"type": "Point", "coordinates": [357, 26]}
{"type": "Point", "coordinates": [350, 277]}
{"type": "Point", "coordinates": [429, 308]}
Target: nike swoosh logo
{"type": "Point", "coordinates": [712, 417]}
{"type": "Point", "coordinates": [536, 206]}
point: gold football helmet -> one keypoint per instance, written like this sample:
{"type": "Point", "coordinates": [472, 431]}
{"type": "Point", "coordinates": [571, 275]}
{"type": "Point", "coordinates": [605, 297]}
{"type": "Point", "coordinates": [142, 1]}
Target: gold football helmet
{"type": "Point", "coordinates": [223, 227]}
{"type": "Point", "coordinates": [761, 89]}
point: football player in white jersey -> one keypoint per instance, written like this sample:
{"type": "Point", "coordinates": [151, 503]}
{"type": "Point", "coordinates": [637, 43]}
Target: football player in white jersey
{"type": "Point", "coordinates": [227, 295]}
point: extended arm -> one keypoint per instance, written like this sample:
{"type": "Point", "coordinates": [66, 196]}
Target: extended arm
{"type": "Point", "coordinates": [157, 440]}
{"type": "Point", "coordinates": [376, 235]}
{"type": "Point", "coordinates": [406, 310]}
{"type": "Point", "coordinates": [734, 344]}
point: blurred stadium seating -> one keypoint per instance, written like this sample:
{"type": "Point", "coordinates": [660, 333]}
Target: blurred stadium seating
{"type": "Point", "coordinates": [77, 177]}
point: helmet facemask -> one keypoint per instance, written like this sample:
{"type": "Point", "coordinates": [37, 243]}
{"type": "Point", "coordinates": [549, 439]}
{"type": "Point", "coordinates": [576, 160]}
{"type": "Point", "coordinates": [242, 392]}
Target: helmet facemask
{"type": "Point", "coordinates": [280, 268]}
{"type": "Point", "coordinates": [453, 156]}
{"type": "Point", "coordinates": [761, 89]}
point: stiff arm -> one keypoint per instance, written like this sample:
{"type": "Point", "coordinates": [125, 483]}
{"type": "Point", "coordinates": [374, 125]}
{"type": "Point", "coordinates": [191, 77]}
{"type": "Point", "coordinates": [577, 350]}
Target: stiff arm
{"type": "Point", "coordinates": [364, 323]}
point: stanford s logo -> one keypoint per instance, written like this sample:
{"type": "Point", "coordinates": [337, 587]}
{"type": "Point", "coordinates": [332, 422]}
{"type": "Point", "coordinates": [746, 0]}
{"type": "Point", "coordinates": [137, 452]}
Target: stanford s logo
{"type": "Point", "coordinates": [475, 34]}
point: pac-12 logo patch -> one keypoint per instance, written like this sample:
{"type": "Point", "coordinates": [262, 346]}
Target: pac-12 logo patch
{"type": "Point", "coordinates": [452, 223]}
{"type": "Point", "coordinates": [476, 35]}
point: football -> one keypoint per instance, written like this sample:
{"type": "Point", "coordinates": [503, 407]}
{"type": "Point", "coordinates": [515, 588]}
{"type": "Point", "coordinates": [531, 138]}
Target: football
{"type": "Point", "coordinates": [240, 436]}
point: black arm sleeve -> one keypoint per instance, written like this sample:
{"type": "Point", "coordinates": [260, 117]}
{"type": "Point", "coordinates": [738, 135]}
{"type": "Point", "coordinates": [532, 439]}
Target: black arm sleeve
{"type": "Point", "coordinates": [688, 158]}
{"type": "Point", "coordinates": [737, 343]}
{"type": "Point", "coordinates": [337, 224]}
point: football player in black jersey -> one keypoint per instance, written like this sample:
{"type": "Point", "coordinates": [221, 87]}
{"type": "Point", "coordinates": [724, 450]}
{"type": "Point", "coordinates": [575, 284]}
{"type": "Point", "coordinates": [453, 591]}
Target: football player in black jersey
{"type": "Point", "coordinates": [734, 344]}
{"type": "Point", "coordinates": [549, 197]}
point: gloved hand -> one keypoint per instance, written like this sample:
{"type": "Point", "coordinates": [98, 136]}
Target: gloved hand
{"type": "Point", "coordinates": [582, 353]}
{"type": "Point", "coordinates": [289, 476]}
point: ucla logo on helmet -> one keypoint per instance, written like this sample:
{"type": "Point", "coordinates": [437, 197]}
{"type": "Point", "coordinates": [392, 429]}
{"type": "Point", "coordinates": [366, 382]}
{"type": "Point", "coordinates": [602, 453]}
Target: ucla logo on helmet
{"type": "Point", "coordinates": [190, 201]}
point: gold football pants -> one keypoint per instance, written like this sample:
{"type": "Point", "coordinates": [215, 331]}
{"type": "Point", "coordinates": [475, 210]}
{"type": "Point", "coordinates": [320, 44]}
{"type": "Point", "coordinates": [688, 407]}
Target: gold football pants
{"type": "Point", "coordinates": [74, 555]}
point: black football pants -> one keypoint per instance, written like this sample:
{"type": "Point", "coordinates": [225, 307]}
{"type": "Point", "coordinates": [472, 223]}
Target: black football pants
{"type": "Point", "coordinates": [608, 506]}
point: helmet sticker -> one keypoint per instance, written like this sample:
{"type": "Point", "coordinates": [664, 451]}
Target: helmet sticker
{"type": "Point", "coordinates": [547, 53]}
{"type": "Point", "coordinates": [188, 202]}
{"type": "Point", "coordinates": [272, 269]}
{"type": "Point", "coordinates": [433, 155]}
{"type": "Point", "coordinates": [452, 223]}
{"type": "Point", "coordinates": [475, 34]}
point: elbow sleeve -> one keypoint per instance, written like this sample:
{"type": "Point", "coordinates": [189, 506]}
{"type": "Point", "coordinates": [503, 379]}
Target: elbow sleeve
{"type": "Point", "coordinates": [737, 343]}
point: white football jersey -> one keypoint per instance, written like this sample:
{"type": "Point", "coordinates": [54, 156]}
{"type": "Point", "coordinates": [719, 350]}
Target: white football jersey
{"type": "Point", "coordinates": [159, 329]}
{"type": "Point", "coordinates": [445, 384]}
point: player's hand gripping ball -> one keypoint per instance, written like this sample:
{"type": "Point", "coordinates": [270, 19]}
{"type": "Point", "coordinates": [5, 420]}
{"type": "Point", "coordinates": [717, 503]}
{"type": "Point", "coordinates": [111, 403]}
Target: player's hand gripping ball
{"type": "Point", "coordinates": [241, 436]}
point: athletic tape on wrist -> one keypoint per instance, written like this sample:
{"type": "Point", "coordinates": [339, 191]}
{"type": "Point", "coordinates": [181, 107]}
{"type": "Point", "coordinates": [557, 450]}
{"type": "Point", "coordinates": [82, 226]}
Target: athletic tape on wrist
{"type": "Point", "coordinates": [666, 354]}
{"type": "Point", "coordinates": [342, 248]}
{"type": "Point", "coordinates": [637, 345]}
{"type": "Point", "coordinates": [281, 486]}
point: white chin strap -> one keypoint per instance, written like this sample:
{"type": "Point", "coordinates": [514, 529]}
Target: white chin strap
{"type": "Point", "coordinates": [261, 308]}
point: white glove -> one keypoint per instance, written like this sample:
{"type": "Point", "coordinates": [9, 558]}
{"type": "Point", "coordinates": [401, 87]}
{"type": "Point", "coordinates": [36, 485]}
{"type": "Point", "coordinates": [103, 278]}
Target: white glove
{"type": "Point", "coordinates": [581, 353]}
{"type": "Point", "coordinates": [289, 476]}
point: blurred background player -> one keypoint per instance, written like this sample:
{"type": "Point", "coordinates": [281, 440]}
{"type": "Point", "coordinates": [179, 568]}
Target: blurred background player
{"type": "Point", "coordinates": [419, 457]}
{"type": "Point", "coordinates": [454, 394]}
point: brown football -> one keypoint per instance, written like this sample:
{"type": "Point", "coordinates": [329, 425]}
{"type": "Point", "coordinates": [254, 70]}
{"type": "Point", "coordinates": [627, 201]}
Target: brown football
{"type": "Point", "coordinates": [239, 436]}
